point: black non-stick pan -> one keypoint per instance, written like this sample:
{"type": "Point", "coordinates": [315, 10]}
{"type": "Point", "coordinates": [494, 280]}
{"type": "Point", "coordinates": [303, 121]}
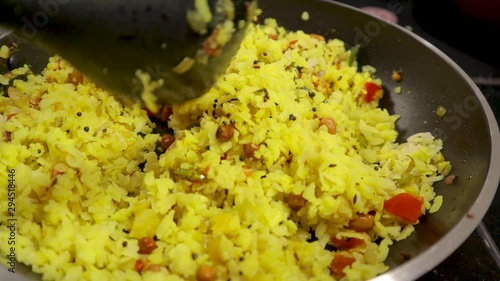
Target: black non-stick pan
{"type": "Point", "coordinates": [431, 79]}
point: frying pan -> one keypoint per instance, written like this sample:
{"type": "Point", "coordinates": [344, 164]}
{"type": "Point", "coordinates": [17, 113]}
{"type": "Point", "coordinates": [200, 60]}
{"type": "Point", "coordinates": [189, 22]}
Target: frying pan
{"type": "Point", "coordinates": [469, 130]}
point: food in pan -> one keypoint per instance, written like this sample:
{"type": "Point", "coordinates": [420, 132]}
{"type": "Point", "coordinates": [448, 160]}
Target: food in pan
{"type": "Point", "coordinates": [287, 169]}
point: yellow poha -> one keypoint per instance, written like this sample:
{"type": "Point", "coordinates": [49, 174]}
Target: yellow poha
{"type": "Point", "coordinates": [287, 144]}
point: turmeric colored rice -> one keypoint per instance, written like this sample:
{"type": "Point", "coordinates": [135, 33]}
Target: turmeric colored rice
{"type": "Point", "coordinates": [282, 171]}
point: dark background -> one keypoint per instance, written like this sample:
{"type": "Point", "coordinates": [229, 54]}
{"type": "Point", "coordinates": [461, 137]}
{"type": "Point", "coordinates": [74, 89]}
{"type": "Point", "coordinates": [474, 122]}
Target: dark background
{"type": "Point", "coordinates": [471, 43]}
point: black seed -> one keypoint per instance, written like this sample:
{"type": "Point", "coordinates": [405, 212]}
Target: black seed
{"type": "Point", "coordinates": [311, 93]}
{"type": "Point", "coordinates": [124, 243]}
{"type": "Point", "coordinates": [78, 114]}
{"type": "Point", "coordinates": [207, 147]}
{"type": "Point", "coordinates": [224, 123]}
{"type": "Point", "coordinates": [255, 62]}
{"type": "Point", "coordinates": [241, 258]}
{"type": "Point", "coordinates": [332, 165]}
{"type": "Point", "coordinates": [232, 122]}
{"type": "Point", "coordinates": [242, 158]}
{"type": "Point", "coordinates": [126, 231]}
{"type": "Point", "coordinates": [264, 54]}
{"type": "Point", "coordinates": [313, 236]}
{"type": "Point", "coordinates": [39, 151]}
{"type": "Point", "coordinates": [216, 100]}
{"type": "Point", "coordinates": [156, 238]}
{"type": "Point", "coordinates": [86, 128]}
{"type": "Point", "coordinates": [67, 131]}
{"type": "Point", "coordinates": [142, 166]}
{"type": "Point", "coordinates": [330, 248]}
{"type": "Point", "coordinates": [292, 117]}
{"type": "Point", "coordinates": [376, 168]}
{"type": "Point", "coordinates": [263, 90]}
{"type": "Point", "coordinates": [194, 256]}
{"type": "Point", "coordinates": [104, 130]}
{"type": "Point", "coordinates": [314, 109]}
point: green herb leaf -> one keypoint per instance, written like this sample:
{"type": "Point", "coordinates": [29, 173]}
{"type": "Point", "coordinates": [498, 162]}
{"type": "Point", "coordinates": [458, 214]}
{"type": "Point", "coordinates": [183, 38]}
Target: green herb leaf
{"type": "Point", "coordinates": [353, 55]}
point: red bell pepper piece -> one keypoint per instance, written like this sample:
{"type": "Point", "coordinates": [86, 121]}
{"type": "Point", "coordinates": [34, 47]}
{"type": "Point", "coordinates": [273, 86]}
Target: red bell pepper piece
{"type": "Point", "coordinates": [406, 206]}
{"type": "Point", "coordinates": [373, 92]}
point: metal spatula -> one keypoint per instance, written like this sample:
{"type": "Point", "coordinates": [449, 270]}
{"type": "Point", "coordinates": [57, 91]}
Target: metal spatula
{"type": "Point", "coordinates": [175, 40]}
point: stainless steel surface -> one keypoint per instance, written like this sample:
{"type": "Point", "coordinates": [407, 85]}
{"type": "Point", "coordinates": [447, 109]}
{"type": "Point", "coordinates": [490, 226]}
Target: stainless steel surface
{"type": "Point", "coordinates": [110, 40]}
{"type": "Point", "coordinates": [473, 147]}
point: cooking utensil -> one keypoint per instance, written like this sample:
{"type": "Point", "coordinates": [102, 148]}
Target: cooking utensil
{"type": "Point", "coordinates": [110, 40]}
{"type": "Point", "coordinates": [430, 79]}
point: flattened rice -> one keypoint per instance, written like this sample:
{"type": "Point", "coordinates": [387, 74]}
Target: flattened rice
{"type": "Point", "coordinates": [286, 169]}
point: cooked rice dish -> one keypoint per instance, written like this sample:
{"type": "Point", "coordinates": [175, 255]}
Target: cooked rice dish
{"type": "Point", "coordinates": [287, 169]}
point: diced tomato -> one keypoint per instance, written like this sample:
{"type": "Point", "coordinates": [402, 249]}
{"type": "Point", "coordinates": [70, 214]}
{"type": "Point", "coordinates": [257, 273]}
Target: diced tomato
{"type": "Point", "coordinates": [346, 243]}
{"type": "Point", "coordinates": [139, 265]}
{"type": "Point", "coordinates": [373, 92]}
{"type": "Point", "coordinates": [339, 263]}
{"type": "Point", "coordinates": [406, 206]}
{"type": "Point", "coordinates": [292, 43]}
